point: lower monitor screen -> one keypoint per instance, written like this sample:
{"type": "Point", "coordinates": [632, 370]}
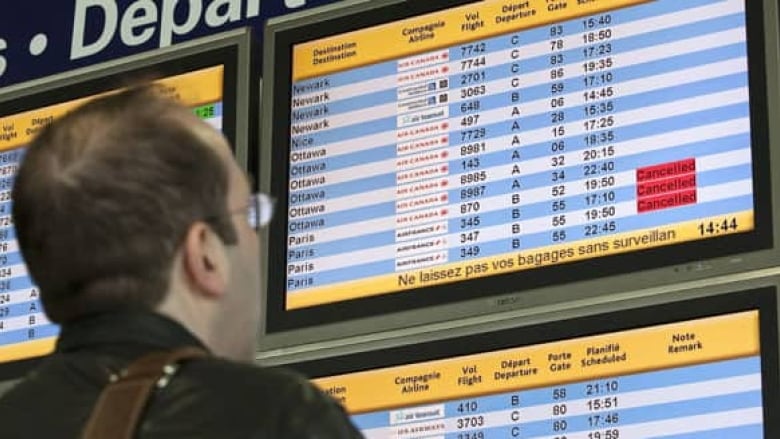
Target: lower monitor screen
{"type": "Point", "coordinates": [695, 378]}
{"type": "Point", "coordinates": [24, 330]}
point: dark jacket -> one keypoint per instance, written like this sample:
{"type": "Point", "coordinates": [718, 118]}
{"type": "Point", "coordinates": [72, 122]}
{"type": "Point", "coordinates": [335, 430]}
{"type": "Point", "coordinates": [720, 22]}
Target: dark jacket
{"type": "Point", "coordinates": [207, 398]}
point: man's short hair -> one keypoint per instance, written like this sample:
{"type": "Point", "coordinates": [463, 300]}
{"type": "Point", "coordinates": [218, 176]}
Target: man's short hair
{"type": "Point", "coordinates": [104, 198]}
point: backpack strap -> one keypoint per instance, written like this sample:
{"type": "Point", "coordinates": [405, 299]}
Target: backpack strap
{"type": "Point", "coordinates": [121, 403]}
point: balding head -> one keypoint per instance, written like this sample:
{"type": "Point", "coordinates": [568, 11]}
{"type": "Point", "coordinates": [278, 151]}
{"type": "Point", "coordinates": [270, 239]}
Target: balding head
{"type": "Point", "coordinates": [105, 196]}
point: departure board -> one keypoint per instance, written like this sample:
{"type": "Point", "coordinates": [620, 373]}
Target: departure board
{"type": "Point", "coordinates": [25, 331]}
{"type": "Point", "coordinates": [691, 379]}
{"type": "Point", "coordinates": [503, 136]}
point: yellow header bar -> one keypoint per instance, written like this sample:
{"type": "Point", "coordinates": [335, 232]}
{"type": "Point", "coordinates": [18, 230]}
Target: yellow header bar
{"type": "Point", "coordinates": [26, 350]}
{"type": "Point", "coordinates": [437, 30]}
{"type": "Point", "coordinates": [192, 89]}
{"type": "Point", "coordinates": [620, 353]}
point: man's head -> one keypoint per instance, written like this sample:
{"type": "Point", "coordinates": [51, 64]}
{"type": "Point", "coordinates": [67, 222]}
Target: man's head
{"type": "Point", "coordinates": [132, 202]}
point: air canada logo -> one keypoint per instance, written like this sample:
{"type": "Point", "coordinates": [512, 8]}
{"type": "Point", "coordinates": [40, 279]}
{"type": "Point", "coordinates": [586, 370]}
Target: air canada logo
{"type": "Point", "coordinates": [426, 59]}
{"type": "Point", "coordinates": [419, 131]}
{"type": "Point", "coordinates": [422, 144]}
{"type": "Point", "coordinates": [420, 202]}
{"type": "Point", "coordinates": [422, 173]}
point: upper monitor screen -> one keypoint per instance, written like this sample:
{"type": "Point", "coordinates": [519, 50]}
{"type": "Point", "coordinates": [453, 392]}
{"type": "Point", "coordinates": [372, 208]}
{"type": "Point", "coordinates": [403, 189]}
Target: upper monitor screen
{"type": "Point", "coordinates": [698, 378]}
{"type": "Point", "coordinates": [505, 137]}
{"type": "Point", "coordinates": [24, 330]}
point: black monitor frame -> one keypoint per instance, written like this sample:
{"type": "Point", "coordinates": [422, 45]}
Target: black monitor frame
{"type": "Point", "coordinates": [600, 276]}
{"type": "Point", "coordinates": [232, 50]}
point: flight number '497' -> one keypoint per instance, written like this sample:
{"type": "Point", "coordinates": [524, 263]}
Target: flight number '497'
{"type": "Point", "coordinates": [470, 120]}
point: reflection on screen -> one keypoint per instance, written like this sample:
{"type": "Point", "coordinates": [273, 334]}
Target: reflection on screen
{"type": "Point", "coordinates": [24, 330]}
{"type": "Point", "coordinates": [693, 379]}
{"type": "Point", "coordinates": [502, 136]}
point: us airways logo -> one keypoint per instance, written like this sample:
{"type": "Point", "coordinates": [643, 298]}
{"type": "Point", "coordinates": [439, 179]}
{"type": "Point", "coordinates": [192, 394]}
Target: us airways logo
{"type": "Point", "coordinates": [140, 21]}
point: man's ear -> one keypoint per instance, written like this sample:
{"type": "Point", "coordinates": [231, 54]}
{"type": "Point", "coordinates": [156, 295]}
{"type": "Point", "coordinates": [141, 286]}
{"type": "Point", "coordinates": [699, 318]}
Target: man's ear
{"type": "Point", "coordinates": [205, 261]}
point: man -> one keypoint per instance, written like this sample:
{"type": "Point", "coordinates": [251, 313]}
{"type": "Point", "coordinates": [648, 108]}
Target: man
{"type": "Point", "coordinates": [136, 224]}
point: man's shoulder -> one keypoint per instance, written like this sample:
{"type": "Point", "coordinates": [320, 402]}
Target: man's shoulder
{"type": "Point", "coordinates": [214, 378]}
{"type": "Point", "coordinates": [205, 398]}
{"type": "Point", "coordinates": [236, 371]}
{"type": "Point", "coordinates": [220, 395]}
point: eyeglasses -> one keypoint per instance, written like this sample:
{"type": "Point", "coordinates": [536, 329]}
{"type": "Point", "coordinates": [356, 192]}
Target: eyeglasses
{"type": "Point", "coordinates": [260, 210]}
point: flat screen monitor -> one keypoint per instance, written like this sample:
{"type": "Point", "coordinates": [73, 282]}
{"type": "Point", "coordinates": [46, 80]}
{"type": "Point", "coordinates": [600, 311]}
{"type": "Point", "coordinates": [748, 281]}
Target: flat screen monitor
{"type": "Point", "coordinates": [704, 368]}
{"type": "Point", "coordinates": [472, 155]}
{"type": "Point", "coordinates": [211, 76]}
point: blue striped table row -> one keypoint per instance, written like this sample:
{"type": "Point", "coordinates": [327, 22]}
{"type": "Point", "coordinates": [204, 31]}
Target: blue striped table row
{"type": "Point", "coordinates": [532, 163]}
{"type": "Point", "coordinates": [23, 296]}
{"type": "Point", "coordinates": [317, 272]}
{"type": "Point", "coordinates": [724, 388]}
{"type": "Point", "coordinates": [701, 427]}
{"type": "Point", "coordinates": [499, 423]}
{"type": "Point", "coordinates": [535, 200]}
{"type": "Point", "coordinates": [332, 205]}
{"type": "Point", "coordinates": [503, 124]}
{"type": "Point", "coordinates": [17, 283]}
{"type": "Point", "coordinates": [742, 423]}
{"type": "Point", "coordinates": [496, 114]}
{"type": "Point", "coordinates": [362, 124]}
{"type": "Point", "coordinates": [35, 331]}
{"type": "Point", "coordinates": [489, 216]}
{"type": "Point", "coordinates": [19, 310]}
{"type": "Point", "coordinates": [530, 78]}
{"type": "Point", "coordinates": [11, 157]}
{"type": "Point", "coordinates": [539, 194]}
{"type": "Point", "coordinates": [383, 175]}
{"type": "Point", "coordinates": [627, 16]}
{"type": "Point", "coordinates": [584, 391]}
{"type": "Point", "coordinates": [305, 148]}
{"type": "Point", "coordinates": [7, 231]}
{"type": "Point", "coordinates": [10, 254]}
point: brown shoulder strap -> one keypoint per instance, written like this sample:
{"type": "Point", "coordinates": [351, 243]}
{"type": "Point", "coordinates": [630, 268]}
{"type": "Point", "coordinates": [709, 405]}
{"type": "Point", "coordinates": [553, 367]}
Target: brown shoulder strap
{"type": "Point", "coordinates": [120, 405]}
